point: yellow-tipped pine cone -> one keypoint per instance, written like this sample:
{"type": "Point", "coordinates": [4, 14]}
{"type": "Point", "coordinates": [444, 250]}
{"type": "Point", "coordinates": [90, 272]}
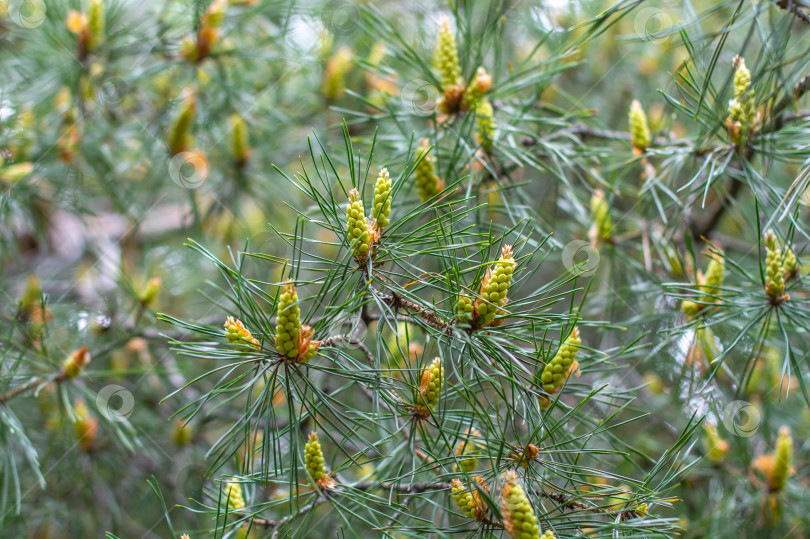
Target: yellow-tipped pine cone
{"type": "Point", "coordinates": [494, 288]}
{"type": "Point", "coordinates": [313, 458]}
{"type": "Point", "coordinates": [774, 272]}
{"type": "Point", "coordinates": [639, 128]}
{"type": "Point", "coordinates": [468, 450]}
{"type": "Point", "coordinates": [783, 460]}
{"type": "Point", "coordinates": [313, 461]}
{"type": "Point", "coordinates": [215, 14]}
{"type": "Point", "coordinates": [430, 387]}
{"type": "Point", "coordinates": [465, 311]}
{"type": "Point", "coordinates": [307, 348]}
{"type": "Point", "coordinates": [742, 77]}
{"type": "Point", "coordinates": [601, 215]}
{"type": "Point", "coordinates": [288, 322]}
{"type": "Point", "coordinates": [548, 535]}
{"type": "Point", "coordinates": [75, 362]}
{"type": "Point", "coordinates": [382, 199]}
{"type": "Point", "coordinates": [358, 233]}
{"type": "Point", "coordinates": [480, 85]}
{"type": "Point", "coordinates": [180, 138]}
{"type": "Point", "coordinates": [233, 496]}
{"type": "Point", "coordinates": [468, 499]}
{"type": "Point", "coordinates": [790, 263]}
{"type": "Point", "coordinates": [427, 182]}
{"type": "Point", "coordinates": [447, 54]}
{"type": "Point", "coordinates": [85, 426]}
{"type": "Point", "coordinates": [95, 23]}
{"type": "Point", "coordinates": [518, 515]}
{"type": "Point", "coordinates": [240, 145]}
{"type": "Point", "coordinates": [484, 125]}
{"type": "Point", "coordinates": [715, 447]}
{"type": "Point", "coordinates": [562, 365]}
{"type": "Point", "coordinates": [236, 333]}
{"type": "Point", "coordinates": [713, 280]}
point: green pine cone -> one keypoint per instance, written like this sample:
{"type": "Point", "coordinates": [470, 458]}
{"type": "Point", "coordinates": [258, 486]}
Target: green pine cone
{"type": "Point", "coordinates": [430, 387]}
{"type": "Point", "coordinates": [485, 125]}
{"type": "Point", "coordinates": [382, 199]}
{"type": "Point", "coordinates": [601, 215]}
{"type": "Point", "coordinates": [465, 310]}
{"type": "Point", "coordinates": [494, 288]}
{"type": "Point", "coordinates": [95, 23]}
{"type": "Point", "coordinates": [519, 518]}
{"type": "Point", "coordinates": [774, 272]}
{"type": "Point", "coordinates": [557, 371]}
{"type": "Point", "coordinates": [783, 460]}
{"type": "Point", "coordinates": [288, 322]}
{"type": "Point", "coordinates": [639, 128]}
{"type": "Point", "coordinates": [479, 86]}
{"type": "Point", "coordinates": [357, 225]}
{"type": "Point", "coordinates": [447, 54]}
{"type": "Point", "coordinates": [233, 496]}
{"type": "Point", "coordinates": [428, 183]}
{"type": "Point", "coordinates": [313, 458]}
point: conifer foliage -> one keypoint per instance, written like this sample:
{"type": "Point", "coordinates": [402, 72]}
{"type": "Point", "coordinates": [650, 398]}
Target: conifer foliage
{"type": "Point", "coordinates": [404, 269]}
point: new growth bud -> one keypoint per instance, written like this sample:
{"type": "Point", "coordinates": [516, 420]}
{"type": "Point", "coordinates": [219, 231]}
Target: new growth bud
{"type": "Point", "coordinates": [518, 515]}
{"type": "Point", "coordinates": [639, 128]}
{"type": "Point", "coordinates": [180, 136]}
{"type": "Point", "coordinates": [382, 200]}
{"type": "Point", "coordinates": [240, 144]}
{"type": "Point", "coordinates": [480, 85]}
{"type": "Point", "coordinates": [75, 362]}
{"type": "Point", "coordinates": [467, 451]}
{"type": "Point", "coordinates": [774, 270]}
{"type": "Point", "coordinates": [95, 23]}
{"type": "Point", "coordinates": [715, 447]}
{"type": "Point", "coordinates": [447, 54]}
{"type": "Point", "coordinates": [561, 366]}
{"type": "Point", "coordinates": [428, 183]}
{"type": "Point", "coordinates": [708, 284]}
{"type": "Point", "coordinates": [288, 322]}
{"type": "Point", "coordinates": [601, 216]}
{"type": "Point", "coordinates": [313, 461]}
{"type": "Point", "coordinates": [741, 111]}
{"type": "Point", "coordinates": [494, 287]}
{"type": "Point", "coordinates": [236, 333]}
{"type": "Point", "coordinates": [358, 235]}
{"type": "Point", "coordinates": [468, 498]}
{"type": "Point", "coordinates": [484, 125]}
{"type": "Point", "coordinates": [430, 388]}
{"type": "Point", "coordinates": [233, 497]}
{"type": "Point", "coordinates": [783, 460]}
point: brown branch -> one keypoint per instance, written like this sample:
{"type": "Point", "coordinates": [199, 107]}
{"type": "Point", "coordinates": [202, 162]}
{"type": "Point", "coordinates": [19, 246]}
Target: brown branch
{"type": "Point", "coordinates": [792, 7]}
{"type": "Point", "coordinates": [28, 386]}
